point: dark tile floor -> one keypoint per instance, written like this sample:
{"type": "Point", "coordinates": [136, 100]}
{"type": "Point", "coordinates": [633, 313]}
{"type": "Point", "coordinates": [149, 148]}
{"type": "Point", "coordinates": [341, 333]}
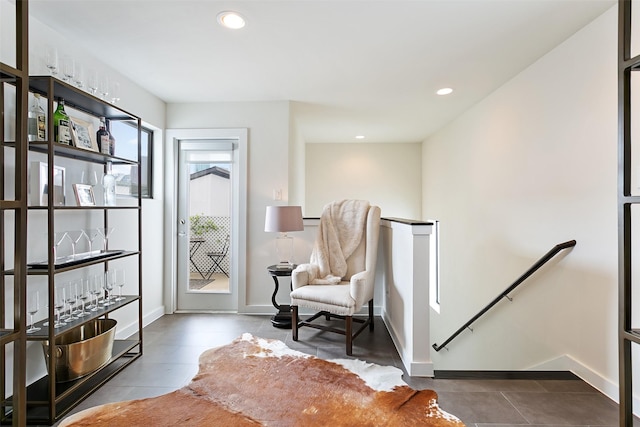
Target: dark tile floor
{"type": "Point", "coordinates": [173, 343]}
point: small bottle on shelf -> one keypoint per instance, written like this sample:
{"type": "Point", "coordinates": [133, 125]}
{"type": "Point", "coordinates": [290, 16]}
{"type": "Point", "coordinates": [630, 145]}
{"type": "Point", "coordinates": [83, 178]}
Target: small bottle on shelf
{"type": "Point", "coordinates": [61, 124]}
{"type": "Point", "coordinates": [103, 137]}
{"type": "Point", "coordinates": [109, 187]}
{"type": "Point", "coordinates": [36, 121]}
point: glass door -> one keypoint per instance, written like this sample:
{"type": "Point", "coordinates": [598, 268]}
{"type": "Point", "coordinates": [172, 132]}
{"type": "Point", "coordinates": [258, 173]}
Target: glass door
{"type": "Point", "coordinates": [205, 216]}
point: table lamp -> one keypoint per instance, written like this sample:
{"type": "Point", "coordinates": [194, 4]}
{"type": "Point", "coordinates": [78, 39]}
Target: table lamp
{"type": "Point", "coordinates": [284, 219]}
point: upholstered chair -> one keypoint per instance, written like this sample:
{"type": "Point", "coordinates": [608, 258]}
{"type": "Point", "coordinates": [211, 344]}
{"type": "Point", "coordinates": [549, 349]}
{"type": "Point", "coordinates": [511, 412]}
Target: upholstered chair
{"type": "Point", "coordinates": [338, 288]}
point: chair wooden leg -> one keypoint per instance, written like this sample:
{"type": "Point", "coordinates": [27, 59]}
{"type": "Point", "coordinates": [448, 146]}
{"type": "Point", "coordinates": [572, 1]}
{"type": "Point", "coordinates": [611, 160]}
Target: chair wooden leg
{"type": "Point", "coordinates": [294, 322]}
{"type": "Point", "coordinates": [371, 315]}
{"type": "Point", "coordinates": [347, 330]}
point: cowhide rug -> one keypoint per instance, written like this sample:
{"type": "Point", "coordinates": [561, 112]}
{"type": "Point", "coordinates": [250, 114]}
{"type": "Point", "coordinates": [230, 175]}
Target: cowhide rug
{"type": "Point", "coordinates": [258, 382]}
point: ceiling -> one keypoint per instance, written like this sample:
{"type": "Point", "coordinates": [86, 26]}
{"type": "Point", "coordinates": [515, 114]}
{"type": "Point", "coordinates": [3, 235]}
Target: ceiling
{"type": "Point", "coordinates": [351, 67]}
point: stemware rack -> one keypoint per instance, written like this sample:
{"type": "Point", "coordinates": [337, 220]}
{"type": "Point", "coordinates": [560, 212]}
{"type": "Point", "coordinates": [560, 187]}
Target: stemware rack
{"type": "Point", "coordinates": [45, 399]}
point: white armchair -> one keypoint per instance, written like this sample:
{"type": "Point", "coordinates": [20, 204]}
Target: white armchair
{"type": "Point", "coordinates": [337, 286]}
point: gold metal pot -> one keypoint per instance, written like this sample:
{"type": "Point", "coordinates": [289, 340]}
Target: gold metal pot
{"type": "Point", "coordinates": [82, 350]}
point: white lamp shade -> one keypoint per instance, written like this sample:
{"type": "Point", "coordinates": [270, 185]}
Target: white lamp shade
{"type": "Point", "coordinates": [283, 219]}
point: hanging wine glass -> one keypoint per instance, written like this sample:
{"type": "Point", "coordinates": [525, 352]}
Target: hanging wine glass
{"type": "Point", "coordinates": [32, 309]}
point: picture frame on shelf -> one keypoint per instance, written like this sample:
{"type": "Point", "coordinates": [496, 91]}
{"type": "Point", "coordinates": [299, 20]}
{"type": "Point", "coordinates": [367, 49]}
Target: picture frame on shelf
{"type": "Point", "coordinates": [84, 195]}
{"type": "Point", "coordinates": [39, 187]}
{"type": "Point", "coordinates": [83, 135]}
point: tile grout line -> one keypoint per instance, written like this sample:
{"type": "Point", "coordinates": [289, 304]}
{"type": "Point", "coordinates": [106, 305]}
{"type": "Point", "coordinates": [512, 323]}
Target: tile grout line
{"type": "Point", "coordinates": [515, 407]}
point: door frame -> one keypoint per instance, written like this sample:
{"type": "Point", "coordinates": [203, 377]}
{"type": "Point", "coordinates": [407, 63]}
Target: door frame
{"type": "Point", "coordinates": [239, 230]}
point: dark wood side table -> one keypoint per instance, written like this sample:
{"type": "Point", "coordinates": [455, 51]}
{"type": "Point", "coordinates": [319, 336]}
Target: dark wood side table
{"type": "Point", "coordinates": [282, 319]}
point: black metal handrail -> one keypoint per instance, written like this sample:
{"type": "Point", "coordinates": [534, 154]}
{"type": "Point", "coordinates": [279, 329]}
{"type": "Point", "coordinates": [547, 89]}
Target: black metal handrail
{"type": "Point", "coordinates": [553, 252]}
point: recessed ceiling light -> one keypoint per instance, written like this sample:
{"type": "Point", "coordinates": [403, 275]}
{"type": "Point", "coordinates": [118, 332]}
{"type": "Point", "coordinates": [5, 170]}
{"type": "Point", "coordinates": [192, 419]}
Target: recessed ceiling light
{"type": "Point", "coordinates": [359, 136]}
{"type": "Point", "coordinates": [231, 19]}
{"type": "Point", "coordinates": [444, 91]}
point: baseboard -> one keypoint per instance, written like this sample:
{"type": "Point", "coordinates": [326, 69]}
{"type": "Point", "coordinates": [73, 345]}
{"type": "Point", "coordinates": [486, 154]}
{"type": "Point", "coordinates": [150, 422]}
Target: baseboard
{"type": "Point", "coordinates": [414, 369]}
{"type": "Point", "coordinates": [597, 381]}
{"type": "Point", "coordinates": [132, 328]}
{"type": "Point", "coordinates": [506, 375]}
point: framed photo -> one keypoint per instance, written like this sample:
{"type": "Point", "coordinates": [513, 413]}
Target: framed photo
{"type": "Point", "coordinates": [83, 135]}
{"type": "Point", "coordinates": [39, 187]}
{"type": "Point", "coordinates": [84, 195]}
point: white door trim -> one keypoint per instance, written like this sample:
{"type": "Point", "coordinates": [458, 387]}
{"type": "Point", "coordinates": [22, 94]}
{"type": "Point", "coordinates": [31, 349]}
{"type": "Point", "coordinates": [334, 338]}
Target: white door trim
{"type": "Point", "coordinates": [239, 248]}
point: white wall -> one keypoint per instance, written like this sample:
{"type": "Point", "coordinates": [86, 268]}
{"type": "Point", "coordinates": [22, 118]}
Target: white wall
{"type": "Point", "coordinates": [533, 165]}
{"type": "Point", "coordinates": [268, 148]}
{"type": "Point", "coordinates": [210, 196]}
{"type": "Point", "coordinates": [388, 175]}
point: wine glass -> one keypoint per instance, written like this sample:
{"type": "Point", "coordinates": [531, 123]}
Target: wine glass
{"type": "Point", "coordinates": [92, 233]}
{"type": "Point", "coordinates": [59, 302]}
{"type": "Point", "coordinates": [89, 178]}
{"type": "Point", "coordinates": [103, 86]}
{"type": "Point", "coordinates": [92, 81]}
{"type": "Point", "coordinates": [58, 238]}
{"type": "Point", "coordinates": [51, 59]}
{"type": "Point", "coordinates": [105, 232]}
{"type": "Point", "coordinates": [119, 276]}
{"type": "Point", "coordinates": [68, 68]}
{"type": "Point", "coordinates": [95, 286]}
{"type": "Point", "coordinates": [75, 237]}
{"type": "Point", "coordinates": [79, 75]}
{"type": "Point", "coordinates": [76, 291]}
{"type": "Point", "coordinates": [84, 296]}
{"type": "Point", "coordinates": [115, 92]}
{"type": "Point", "coordinates": [69, 300]}
{"type": "Point", "coordinates": [32, 309]}
{"type": "Point", "coordinates": [107, 284]}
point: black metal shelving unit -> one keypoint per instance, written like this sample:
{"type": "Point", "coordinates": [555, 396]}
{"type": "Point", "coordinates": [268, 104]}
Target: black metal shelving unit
{"type": "Point", "coordinates": [14, 81]}
{"type": "Point", "coordinates": [628, 336]}
{"type": "Point", "coordinates": [47, 400]}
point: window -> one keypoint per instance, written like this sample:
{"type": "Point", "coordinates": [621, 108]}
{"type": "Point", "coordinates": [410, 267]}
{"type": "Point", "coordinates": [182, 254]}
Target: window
{"type": "Point", "coordinates": [126, 136]}
{"type": "Point", "coordinates": [434, 267]}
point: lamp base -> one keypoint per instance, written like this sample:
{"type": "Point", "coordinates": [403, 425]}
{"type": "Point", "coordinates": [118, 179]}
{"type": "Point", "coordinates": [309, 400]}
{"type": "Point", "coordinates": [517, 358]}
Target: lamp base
{"type": "Point", "coordinates": [284, 250]}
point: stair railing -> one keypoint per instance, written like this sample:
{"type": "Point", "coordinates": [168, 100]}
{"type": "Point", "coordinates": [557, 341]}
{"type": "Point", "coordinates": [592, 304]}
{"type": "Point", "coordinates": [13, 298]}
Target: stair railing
{"type": "Point", "coordinates": [505, 294]}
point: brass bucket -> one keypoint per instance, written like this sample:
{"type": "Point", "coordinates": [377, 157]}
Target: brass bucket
{"type": "Point", "coordinates": [82, 350]}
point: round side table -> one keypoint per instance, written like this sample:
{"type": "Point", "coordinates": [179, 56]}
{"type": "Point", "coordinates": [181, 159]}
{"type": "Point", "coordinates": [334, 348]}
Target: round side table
{"type": "Point", "coordinates": [282, 319]}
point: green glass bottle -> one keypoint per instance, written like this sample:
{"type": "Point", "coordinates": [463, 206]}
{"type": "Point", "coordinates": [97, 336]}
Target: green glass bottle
{"type": "Point", "coordinates": [61, 125]}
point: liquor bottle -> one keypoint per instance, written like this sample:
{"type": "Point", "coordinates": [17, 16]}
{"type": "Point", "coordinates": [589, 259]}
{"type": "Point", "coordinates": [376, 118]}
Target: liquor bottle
{"type": "Point", "coordinates": [109, 187]}
{"type": "Point", "coordinates": [61, 124]}
{"type": "Point", "coordinates": [36, 121]}
{"type": "Point", "coordinates": [103, 137]}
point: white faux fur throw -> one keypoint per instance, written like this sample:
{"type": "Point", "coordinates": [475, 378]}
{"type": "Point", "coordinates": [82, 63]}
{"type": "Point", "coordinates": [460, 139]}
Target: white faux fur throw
{"type": "Point", "coordinates": [339, 234]}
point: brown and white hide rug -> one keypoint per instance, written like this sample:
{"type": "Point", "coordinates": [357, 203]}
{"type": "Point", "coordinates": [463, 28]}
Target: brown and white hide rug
{"type": "Point", "coordinates": [258, 382]}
